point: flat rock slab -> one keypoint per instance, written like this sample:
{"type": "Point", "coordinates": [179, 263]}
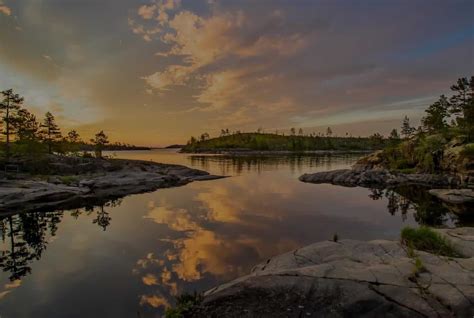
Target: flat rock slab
{"type": "Point", "coordinates": [127, 177]}
{"type": "Point", "coordinates": [379, 178]}
{"type": "Point", "coordinates": [351, 278]}
{"type": "Point", "coordinates": [454, 196]}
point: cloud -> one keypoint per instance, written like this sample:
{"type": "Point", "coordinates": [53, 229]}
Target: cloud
{"type": "Point", "coordinates": [4, 9]}
{"type": "Point", "coordinates": [154, 301]}
{"type": "Point", "coordinates": [204, 42]}
{"type": "Point", "coordinates": [150, 280]}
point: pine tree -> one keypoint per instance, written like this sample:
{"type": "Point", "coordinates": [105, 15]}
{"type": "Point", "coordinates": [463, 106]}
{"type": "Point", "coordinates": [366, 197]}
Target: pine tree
{"type": "Point", "coordinates": [99, 141]}
{"type": "Point", "coordinates": [462, 104]}
{"type": "Point", "coordinates": [407, 130]}
{"type": "Point", "coordinates": [73, 137]}
{"type": "Point", "coordinates": [329, 132]}
{"type": "Point", "coordinates": [10, 105]}
{"type": "Point", "coordinates": [435, 120]}
{"type": "Point", "coordinates": [394, 134]}
{"type": "Point", "coordinates": [50, 131]}
{"type": "Point", "coordinates": [72, 141]}
{"type": "Point", "coordinates": [26, 126]}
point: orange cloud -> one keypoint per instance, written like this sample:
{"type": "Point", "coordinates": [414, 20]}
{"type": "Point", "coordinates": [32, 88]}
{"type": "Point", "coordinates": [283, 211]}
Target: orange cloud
{"type": "Point", "coordinates": [150, 280]}
{"type": "Point", "coordinates": [154, 301]}
{"type": "Point", "coordinates": [4, 9]}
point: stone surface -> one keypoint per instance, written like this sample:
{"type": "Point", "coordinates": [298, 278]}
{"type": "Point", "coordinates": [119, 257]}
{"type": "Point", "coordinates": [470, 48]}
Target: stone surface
{"type": "Point", "coordinates": [380, 178]}
{"type": "Point", "coordinates": [112, 179]}
{"type": "Point", "coordinates": [454, 196]}
{"type": "Point", "coordinates": [351, 278]}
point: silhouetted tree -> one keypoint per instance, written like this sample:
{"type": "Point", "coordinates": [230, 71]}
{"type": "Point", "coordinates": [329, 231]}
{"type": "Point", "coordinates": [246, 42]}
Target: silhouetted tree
{"type": "Point", "coordinates": [407, 130]}
{"type": "Point", "coordinates": [26, 126]}
{"type": "Point", "coordinates": [50, 132]}
{"type": "Point", "coordinates": [73, 139]}
{"type": "Point", "coordinates": [329, 132]}
{"type": "Point", "coordinates": [9, 105]}
{"type": "Point", "coordinates": [99, 142]}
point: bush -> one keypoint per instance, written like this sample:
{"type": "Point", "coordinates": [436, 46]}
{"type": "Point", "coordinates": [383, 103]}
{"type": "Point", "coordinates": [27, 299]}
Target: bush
{"type": "Point", "coordinates": [425, 239]}
{"type": "Point", "coordinates": [184, 303]}
{"type": "Point", "coordinates": [468, 151]}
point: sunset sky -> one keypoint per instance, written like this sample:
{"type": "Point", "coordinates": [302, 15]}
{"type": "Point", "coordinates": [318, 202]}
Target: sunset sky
{"type": "Point", "coordinates": [155, 72]}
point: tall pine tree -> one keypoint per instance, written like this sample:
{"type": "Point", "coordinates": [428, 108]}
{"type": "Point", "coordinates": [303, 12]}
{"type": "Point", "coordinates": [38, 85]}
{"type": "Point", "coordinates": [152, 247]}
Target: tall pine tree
{"type": "Point", "coordinates": [435, 120]}
{"type": "Point", "coordinates": [50, 132]}
{"type": "Point", "coordinates": [9, 105]}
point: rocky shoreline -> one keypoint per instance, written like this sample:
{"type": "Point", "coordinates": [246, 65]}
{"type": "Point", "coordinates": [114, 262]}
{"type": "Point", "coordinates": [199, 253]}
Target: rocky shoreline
{"type": "Point", "coordinates": [352, 278]}
{"type": "Point", "coordinates": [380, 178]}
{"type": "Point", "coordinates": [74, 185]}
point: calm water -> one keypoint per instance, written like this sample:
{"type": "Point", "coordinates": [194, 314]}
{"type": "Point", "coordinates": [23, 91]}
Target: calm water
{"type": "Point", "coordinates": [130, 257]}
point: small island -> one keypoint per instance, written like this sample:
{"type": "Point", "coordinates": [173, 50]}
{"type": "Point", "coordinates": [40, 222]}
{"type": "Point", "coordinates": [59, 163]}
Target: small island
{"type": "Point", "coordinates": [44, 170]}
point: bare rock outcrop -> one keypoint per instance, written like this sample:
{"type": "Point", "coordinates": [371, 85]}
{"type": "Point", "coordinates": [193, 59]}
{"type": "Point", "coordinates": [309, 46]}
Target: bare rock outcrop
{"type": "Point", "coordinates": [110, 179]}
{"type": "Point", "coordinates": [379, 178]}
{"type": "Point", "coordinates": [352, 278]}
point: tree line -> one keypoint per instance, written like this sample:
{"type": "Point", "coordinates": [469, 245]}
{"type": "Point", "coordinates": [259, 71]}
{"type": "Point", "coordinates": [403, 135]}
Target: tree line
{"type": "Point", "coordinates": [454, 112]}
{"type": "Point", "coordinates": [25, 134]}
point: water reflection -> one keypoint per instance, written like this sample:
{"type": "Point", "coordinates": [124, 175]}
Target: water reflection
{"type": "Point", "coordinates": [24, 240]}
{"type": "Point", "coordinates": [25, 236]}
{"type": "Point", "coordinates": [427, 210]}
{"type": "Point", "coordinates": [236, 165]}
{"type": "Point", "coordinates": [137, 254]}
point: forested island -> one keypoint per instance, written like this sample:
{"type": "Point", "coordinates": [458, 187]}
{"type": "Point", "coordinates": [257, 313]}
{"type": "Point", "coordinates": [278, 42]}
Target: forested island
{"type": "Point", "coordinates": [259, 141]}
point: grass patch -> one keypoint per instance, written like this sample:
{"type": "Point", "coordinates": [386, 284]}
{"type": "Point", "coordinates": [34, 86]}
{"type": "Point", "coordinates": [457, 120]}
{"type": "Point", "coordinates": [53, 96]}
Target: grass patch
{"type": "Point", "coordinates": [68, 180]}
{"type": "Point", "coordinates": [425, 239]}
{"type": "Point", "coordinates": [184, 303]}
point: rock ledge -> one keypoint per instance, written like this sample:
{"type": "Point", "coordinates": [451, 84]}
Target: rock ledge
{"type": "Point", "coordinates": [352, 278]}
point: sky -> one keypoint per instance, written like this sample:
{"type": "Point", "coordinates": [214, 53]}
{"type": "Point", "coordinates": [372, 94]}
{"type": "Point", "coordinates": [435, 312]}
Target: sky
{"type": "Point", "coordinates": [155, 72]}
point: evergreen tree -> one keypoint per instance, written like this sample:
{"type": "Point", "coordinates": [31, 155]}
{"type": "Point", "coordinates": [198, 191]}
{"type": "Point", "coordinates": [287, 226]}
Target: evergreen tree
{"type": "Point", "coordinates": [99, 142]}
{"type": "Point", "coordinates": [407, 130]}
{"type": "Point", "coordinates": [329, 132]}
{"type": "Point", "coordinates": [73, 139]}
{"type": "Point", "coordinates": [26, 126]}
{"type": "Point", "coordinates": [462, 104]}
{"type": "Point", "coordinates": [394, 134]}
{"type": "Point", "coordinates": [10, 105]}
{"type": "Point", "coordinates": [435, 120]}
{"type": "Point", "coordinates": [50, 132]}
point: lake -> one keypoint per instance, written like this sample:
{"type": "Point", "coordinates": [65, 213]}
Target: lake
{"type": "Point", "coordinates": [130, 257]}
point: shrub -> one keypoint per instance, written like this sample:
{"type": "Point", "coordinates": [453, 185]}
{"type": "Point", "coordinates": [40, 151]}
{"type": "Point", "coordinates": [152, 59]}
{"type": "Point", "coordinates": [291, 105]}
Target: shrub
{"type": "Point", "coordinates": [468, 151]}
{"type": "Point", "coordinates": [184, 303]}
{"type": "Point", "coordinates": [425, 239]}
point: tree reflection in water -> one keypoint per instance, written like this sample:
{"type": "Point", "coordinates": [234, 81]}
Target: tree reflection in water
{"type": "Point", "coordinates": [24, 240]}
{"type": "Point", "coordinates": [427, 210]}
{"type": "Point", "coordinates": [25, 235]}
